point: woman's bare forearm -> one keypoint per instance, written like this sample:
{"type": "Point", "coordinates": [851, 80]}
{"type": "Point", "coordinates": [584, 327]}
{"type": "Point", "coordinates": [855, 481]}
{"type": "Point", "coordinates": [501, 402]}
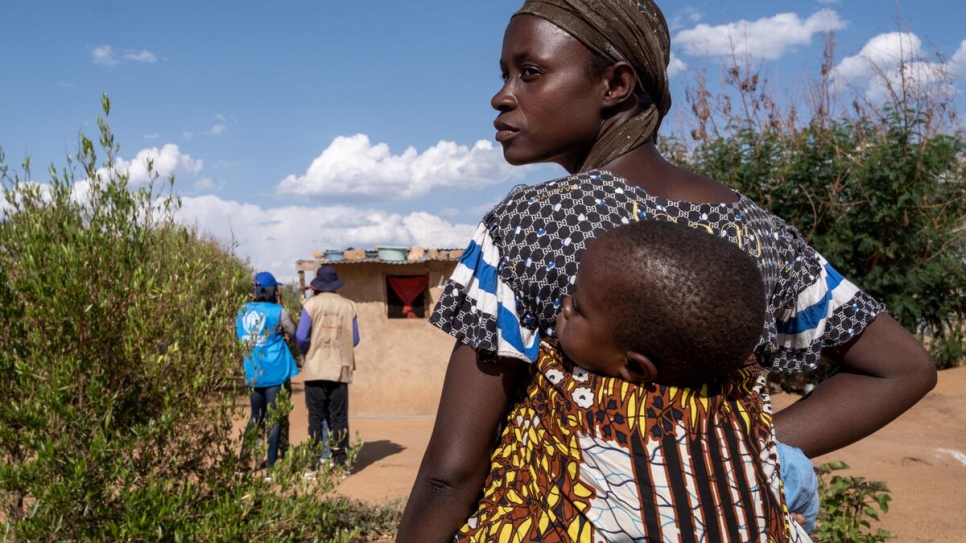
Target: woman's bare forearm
{"type": "Point", "coordinates": [884, 372]}
{"type": "Point", "coordinates": [450, 480]}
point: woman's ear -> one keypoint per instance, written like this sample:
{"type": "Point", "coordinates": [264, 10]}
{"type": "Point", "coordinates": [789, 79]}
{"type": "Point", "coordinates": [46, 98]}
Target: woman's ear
{"type": "Point", "coordinates": [621, 82]}
{"type": "Point", "coordinates": [638, 368]}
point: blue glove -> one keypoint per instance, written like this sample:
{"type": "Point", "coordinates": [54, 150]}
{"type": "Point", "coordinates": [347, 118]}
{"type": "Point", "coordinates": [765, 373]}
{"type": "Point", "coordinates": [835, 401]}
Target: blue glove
{"type": "Point", "coordinates": [800, 483]}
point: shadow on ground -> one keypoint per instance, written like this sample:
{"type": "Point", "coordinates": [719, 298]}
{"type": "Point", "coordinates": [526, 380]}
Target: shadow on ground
{"type": "Point", "coordinates": [374, 451]}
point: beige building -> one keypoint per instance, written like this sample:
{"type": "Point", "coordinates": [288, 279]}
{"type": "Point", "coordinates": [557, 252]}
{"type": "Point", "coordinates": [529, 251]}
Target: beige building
{"type": "Point", "coordinates": [401, 358]}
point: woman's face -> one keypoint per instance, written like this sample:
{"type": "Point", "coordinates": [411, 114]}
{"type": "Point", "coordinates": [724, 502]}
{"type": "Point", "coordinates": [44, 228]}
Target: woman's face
{"type": "Point", "coordinates": [550, 103]}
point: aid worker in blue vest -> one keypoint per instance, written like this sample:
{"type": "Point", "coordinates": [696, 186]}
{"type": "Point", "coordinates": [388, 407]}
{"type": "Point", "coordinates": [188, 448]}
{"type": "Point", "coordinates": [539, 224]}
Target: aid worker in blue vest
{"type": "Point", "coordinates": [261, 325]}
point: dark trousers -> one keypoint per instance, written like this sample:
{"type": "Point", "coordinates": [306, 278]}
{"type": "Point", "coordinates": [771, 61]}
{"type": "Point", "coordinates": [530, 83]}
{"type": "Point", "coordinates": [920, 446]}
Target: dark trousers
{"type": "Point", "coordinates": [262, 398]}
{"type": "Point", "coordinates": [328, 402]}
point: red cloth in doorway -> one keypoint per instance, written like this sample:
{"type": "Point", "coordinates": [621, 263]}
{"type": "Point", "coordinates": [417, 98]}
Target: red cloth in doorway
{"type": "Point", "coordinates": [408, 288]}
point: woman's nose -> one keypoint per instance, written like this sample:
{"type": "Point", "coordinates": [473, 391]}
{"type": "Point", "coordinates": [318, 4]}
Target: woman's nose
{"type": "Point", "coordinates": [503, 100]}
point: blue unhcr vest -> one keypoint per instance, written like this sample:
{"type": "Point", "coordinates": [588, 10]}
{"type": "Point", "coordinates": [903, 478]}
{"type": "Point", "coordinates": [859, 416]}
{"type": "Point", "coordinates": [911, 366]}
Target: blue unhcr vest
{"type": "Point", "coordinates": [269, 363]}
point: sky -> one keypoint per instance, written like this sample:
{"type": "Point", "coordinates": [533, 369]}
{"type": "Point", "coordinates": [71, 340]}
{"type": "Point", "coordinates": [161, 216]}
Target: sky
{"type": "Point", "coordinates": [300, 125]}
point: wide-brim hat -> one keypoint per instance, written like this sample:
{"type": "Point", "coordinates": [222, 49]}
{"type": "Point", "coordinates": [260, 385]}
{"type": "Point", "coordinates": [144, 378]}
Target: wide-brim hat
{"type": "Point", "coordinates": [326, 280]}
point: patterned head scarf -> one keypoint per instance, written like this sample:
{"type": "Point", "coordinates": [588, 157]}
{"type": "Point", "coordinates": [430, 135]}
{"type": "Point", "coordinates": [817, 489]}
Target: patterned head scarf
{"type": "Point", "coordinates": [630, 30]}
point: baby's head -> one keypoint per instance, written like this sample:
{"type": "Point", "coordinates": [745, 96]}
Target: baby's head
{"type": "Point", "coordinates": [659, 302]}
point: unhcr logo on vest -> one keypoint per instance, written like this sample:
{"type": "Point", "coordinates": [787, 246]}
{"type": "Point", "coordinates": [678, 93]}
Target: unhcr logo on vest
{"type": "Point", "coordinates": [254, 324]}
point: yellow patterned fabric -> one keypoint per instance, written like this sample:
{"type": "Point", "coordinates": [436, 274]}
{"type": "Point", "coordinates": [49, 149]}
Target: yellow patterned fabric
{"type": "Point", "coordinates": [586, 458]}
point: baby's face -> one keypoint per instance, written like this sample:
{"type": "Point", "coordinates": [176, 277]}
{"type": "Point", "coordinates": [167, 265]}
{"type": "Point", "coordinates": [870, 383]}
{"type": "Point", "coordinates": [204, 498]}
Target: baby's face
{"type": "Point", "coordinates": [584, 324]}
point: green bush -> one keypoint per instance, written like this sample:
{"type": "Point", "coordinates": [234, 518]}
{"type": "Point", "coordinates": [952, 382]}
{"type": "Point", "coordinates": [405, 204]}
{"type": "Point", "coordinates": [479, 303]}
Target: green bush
{"type": "Point", "coordinates": [121, 372]}
{"type": "Point", "coordinates": [849, 505]}
{"type": "Point", "coordinates": [879, 190]}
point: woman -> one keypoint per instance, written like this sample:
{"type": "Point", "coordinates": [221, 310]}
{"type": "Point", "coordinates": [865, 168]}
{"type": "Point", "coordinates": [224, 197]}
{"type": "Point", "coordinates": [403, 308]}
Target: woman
{"type": "Point", "coordinates": [605, 68]}
{"type": "Point", "coordinates": [261, 325]}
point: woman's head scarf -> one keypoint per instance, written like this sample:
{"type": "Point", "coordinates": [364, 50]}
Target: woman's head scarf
{"type": "Point", "coordinates": [630, 30]}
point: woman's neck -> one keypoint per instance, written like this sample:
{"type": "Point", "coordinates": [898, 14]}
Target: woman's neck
{"type": "Point", "coordinates": [646, 168]}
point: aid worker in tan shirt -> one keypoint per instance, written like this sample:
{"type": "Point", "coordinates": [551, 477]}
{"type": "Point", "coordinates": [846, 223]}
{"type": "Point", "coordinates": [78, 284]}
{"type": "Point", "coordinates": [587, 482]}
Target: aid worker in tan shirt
{"type": "Point", "coordinates": [327, 335]}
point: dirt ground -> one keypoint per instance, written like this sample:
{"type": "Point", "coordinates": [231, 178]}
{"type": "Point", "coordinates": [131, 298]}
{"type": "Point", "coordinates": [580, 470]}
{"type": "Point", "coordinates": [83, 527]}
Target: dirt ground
{"type": "Point", "coordinates": [922, 457]}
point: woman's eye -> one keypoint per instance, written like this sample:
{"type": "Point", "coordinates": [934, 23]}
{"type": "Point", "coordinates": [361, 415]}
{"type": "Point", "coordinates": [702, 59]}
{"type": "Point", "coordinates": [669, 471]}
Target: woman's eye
{"type": "Point", "coordinates": [529, 72]}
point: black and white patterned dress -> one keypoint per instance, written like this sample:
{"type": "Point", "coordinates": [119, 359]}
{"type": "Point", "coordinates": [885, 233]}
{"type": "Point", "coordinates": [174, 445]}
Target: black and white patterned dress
{"type": "Point", "coordinates": [509, 284]}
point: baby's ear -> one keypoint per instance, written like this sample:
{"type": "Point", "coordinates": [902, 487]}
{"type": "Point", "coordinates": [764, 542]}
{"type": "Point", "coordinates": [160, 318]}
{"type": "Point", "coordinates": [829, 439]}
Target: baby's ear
{"type": "Point", "coordinates": [638, 368]}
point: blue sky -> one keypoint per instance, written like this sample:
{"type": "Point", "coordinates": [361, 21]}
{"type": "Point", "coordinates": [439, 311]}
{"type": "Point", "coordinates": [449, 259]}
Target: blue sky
{"type": "Point", "coordinates": [293, 126]}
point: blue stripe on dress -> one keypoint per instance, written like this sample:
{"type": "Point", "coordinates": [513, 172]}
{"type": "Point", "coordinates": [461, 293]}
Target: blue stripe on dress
{"type": "Point", "coordinates": [483, 285]}
{"type": "Point", "coordinates": [834, 277]}
{"type": "Point", "coordinates": [486, 275]}
{"type": "Point", "coordinates": [472, 255]}
{"type": "Point", "coordinates": [807, 319]}
{"type": "Point", "coordinates": [811, 317]}
{"type": "Point", "coordinates": [509, 326]}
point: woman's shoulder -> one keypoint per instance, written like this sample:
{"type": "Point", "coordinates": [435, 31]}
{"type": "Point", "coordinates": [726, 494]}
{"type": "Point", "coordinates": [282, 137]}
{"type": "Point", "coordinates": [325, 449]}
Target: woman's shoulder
{"type": "Point", "coordinates": [528, 195]}
{"type": "Point", "coordinates": [551, 200]}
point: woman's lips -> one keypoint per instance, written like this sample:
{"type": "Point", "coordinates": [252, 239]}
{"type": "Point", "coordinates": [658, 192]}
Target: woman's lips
{"type": "Point", "coordinates": [504, 135]}
{"type": "Point", "coordinates": [504, 131]}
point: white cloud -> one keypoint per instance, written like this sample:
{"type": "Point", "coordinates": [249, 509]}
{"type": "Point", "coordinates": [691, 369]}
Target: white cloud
{"type": "Point", "coordinates": [220, 127]}
{"type": "Point", "coordinates": [828, 2]}
{"type": "Point", "coordinates": [151, 136]}
{"type": "Point", "coordinates": [207, 184]}
{"type": "Point", "coordinates": [104, 55]}
{"type": "Point", "coordinates": [352, 167]}
{"type": "Point", "coordinates": [958, 61]}
{"type": "Point", "coordinates": [884, 50]}
{"type": "Point", "coordinates": [7, 207]}
{"type": "Point", "coordinates": [168, 160]}
{"type": "Point", "coordinates": [767, 38]}
{"type": "Point", "coordinates": [675, 66]}
{"type": "Point", "coordinates": [187, 136]}
{"type": "Point", "coordinates": [687, 15]}
{"type": "Point", "coordinates": [274, 238]}
{"type": "Point", "coordinates": [892, 59]}
{"type": "Point", "coordinates": [141, 56]}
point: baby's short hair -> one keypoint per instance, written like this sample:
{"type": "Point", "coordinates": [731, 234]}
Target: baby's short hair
{"type": "Point", "coordinates": [691, 301]}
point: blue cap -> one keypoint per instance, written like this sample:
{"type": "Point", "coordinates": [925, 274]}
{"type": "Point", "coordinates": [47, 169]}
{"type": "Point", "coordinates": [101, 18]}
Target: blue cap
{"type": "Point", "coordinates": [265, 279]}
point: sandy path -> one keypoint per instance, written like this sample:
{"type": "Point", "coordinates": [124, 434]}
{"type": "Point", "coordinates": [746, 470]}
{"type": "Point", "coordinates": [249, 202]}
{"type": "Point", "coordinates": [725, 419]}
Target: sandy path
{"type": "Point", "coordinates": [922, 456]}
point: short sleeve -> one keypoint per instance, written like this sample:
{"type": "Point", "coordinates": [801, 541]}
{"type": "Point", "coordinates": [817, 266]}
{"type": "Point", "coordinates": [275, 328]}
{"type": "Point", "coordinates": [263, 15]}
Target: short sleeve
{"type": "Point", "coordinates": [479, 308]}
{"type": "Point", "coordinates": [821, 309]}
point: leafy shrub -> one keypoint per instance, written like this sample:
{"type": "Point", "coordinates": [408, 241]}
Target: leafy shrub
{"type": "Point", "coordinates": [849, 505]}
{"type": "Point", "coordinates": [121, 367]}
{"type": "Point", "coordinates": [878, 189]}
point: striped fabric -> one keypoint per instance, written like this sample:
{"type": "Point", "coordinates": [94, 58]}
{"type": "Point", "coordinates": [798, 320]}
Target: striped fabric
{"type": "Point", "coordinates": [814, 307]}
{"type": "Point", "coordinates": [485, 292]}
{"type": "Point", "coordinates": [586, 458]}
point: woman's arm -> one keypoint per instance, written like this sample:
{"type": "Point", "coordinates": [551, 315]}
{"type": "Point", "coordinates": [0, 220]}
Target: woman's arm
{"type": "Point", "coordinates": [450, 480]}
{"type": "Point", "coordinates": [882, 373]}
{"type": "Point", "coordinates": [287, 325]}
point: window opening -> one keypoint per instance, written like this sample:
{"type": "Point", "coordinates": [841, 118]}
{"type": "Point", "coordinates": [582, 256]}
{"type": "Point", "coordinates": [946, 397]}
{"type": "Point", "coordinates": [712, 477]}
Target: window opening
{"type": "Point", "coordinates": [406, 296]}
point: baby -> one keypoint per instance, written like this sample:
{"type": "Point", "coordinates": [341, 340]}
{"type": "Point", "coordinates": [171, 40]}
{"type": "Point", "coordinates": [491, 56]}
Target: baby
{"type": "Point", "coordinates": [647, 418]}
